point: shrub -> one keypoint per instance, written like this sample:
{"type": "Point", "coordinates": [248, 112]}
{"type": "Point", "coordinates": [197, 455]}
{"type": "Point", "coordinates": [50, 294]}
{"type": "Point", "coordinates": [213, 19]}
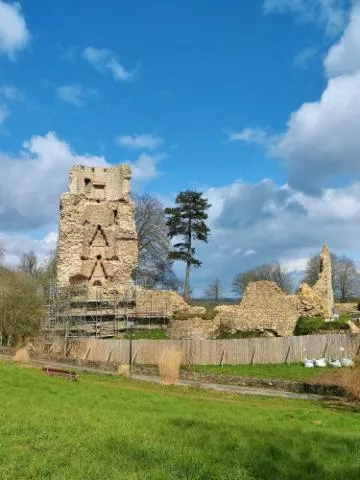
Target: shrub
{"type": "Point", "coordinates": [169, 365]}
{"type": "Point", "coordinates": [309, 325]}
{"type": "Point", "coordinates": [21, 307]}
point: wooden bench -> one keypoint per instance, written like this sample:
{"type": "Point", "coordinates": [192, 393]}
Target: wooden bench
{"type": "Point", "coordinates": [55, 372]}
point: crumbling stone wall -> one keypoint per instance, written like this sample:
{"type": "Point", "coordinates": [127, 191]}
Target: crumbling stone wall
{"type": "Point", "coordinates": [319, 299]}
{"type": "Point", "coordinates": [265, 307]}
{"type": "Point", "coordinates": [165, 301]}
{"type": "Point", "coordinates": [194, 328]}
{"type": "Point", "coordinates": [97, 238]}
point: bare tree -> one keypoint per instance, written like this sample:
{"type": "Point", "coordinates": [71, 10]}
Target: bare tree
{"type": "Point", "coordinates": [2, 254]}
{"type": "Point", "coordinates": [47, 270]}
{"type": "Point", "coordinates": [214, 291]}
{"type": "Point", "coordinates": [29, 264]}
{"type": "Point", "coordinates": [312, 270]}
{"type": "Point", "coordinates": [154, 267]}
{"type": "Point", "coordinates": [273, 272]}
{"type": "Point", "coordinates": [346, 279]}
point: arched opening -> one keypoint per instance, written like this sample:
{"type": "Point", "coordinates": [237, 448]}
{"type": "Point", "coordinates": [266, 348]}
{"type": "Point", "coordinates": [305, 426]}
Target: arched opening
{"type": "Point", "coordinates": [115, 215]}
{"type": "Point", "coordinates": [97, 283]}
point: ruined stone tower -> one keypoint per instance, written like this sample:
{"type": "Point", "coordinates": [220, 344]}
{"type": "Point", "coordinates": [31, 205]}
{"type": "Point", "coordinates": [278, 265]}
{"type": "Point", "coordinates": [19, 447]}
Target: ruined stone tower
{"type": "Point", "coordinates": [97, 239]}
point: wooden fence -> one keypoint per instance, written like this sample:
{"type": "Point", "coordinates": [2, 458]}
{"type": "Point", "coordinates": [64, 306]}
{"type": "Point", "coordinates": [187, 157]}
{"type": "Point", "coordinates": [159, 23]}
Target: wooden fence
{"type": "Point", "coordinates": [217, 352]}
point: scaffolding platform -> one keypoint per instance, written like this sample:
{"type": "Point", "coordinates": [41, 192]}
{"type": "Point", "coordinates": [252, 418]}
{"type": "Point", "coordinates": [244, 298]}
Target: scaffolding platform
{"type": "Point", "coordinates": [77, 312]}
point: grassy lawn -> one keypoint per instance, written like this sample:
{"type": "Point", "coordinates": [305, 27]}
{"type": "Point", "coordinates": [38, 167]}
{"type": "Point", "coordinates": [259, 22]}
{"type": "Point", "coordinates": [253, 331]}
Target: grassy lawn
{"type": "Point", "coordinates": [292, 371]}
{"type": "Point", "coordinates": [154, 334]}
{"type": "Point", "coordinates": [112, 428]}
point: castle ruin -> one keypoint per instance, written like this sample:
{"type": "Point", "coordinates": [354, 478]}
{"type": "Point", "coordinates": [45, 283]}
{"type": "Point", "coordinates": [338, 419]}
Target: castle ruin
{"type": "Point", "coordinates": [266, 308]}
{"type": "Point", "coordinates": [97, 238]}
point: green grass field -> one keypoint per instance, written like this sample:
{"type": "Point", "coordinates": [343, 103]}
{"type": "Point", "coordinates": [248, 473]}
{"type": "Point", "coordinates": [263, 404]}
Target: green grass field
{"type": "Point", "coordinates": [111, 428]}
{"type": "Point", "coordinates": [282, 371]}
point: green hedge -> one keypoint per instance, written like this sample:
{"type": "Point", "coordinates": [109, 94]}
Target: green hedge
{"type": "Point", "coordinates": [309, 325]}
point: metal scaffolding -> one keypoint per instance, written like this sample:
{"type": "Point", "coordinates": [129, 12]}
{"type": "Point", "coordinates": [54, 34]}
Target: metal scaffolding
{"type": "Point", "coordinates": [76, 311]}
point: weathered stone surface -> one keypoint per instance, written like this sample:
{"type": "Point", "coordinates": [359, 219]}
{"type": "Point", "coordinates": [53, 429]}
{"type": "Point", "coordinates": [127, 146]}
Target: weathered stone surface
{"type": "Point", "coordinates": [265, 307]}
{"type": "Point", "coordinates": [319, 299]}
{"type": "Point", "coordinates": [165, 302]}
{"type": "Point", "coordinates": [346, 308]}
{"type": "Point", "coordinates": [97, 238]}
{"type": "Point", "coordinates": [194, 328]}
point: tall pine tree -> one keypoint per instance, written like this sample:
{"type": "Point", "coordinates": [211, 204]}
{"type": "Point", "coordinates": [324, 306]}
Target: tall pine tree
{"type": "Point", "coordinates": [187, 220]}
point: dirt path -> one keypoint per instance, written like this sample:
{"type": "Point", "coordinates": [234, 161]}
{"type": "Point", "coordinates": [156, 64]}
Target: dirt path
{"type": "Point", "coordinates": [233, 389]}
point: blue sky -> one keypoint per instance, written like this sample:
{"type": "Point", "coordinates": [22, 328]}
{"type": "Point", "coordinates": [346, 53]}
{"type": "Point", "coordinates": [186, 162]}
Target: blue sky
{"type": "Point", "coordinates": [254, 102]}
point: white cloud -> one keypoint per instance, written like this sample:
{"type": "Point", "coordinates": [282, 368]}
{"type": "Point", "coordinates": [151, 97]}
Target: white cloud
{"type": "Point", "coordinates": [31, 183]}
{"type": "Point", "coordinates": [290, 231]}
{"type": "Point", "coordinates": [257, 136]}
{"type": "Point", "coordinates": [75, 95]}
{"type": "Point", "coordinates": [147, 141]}
{"type": "Point", "coordinates": [344, 56]}
{"type": "Point", "coordinates": [248, 252]}
{"type": "Point", "coordinates": [144, 168]}
{"type": "Point", "coordinates": [30, 187]}
{"type": "Point", "coordinates": [14, 35]}
{"type": "Point", "coordinates": [321, 142]}
{"type": "Point", "coordinates": [322, 139]}
{"type": "Point", "coordinates": [331, 15]}
{"type": "Point", "coordinates": [295, 264]}
{"type": "Point", "coordinates": [16, 244]}
{"type": "Point", "coordinates": [105, 60]}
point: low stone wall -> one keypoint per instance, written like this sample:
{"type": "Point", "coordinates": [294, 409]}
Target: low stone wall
{"type": "Point", "coordinates": [196, 328]}
{"type": "Point", "coordinates": [264, 307]}
{"type": "Point", "coordinates": [165, 302]}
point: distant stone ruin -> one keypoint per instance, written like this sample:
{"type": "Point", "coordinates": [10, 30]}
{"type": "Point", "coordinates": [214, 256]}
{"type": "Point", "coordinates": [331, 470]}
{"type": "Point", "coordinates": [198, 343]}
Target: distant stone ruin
{"type": "Point", "coordinates": [95, 292]}
{"type": "Point", "coordinates": [98, 251]}
{"type": "Point", "coordinates": [97, 239]}
{"type": "Point", "coordinates": [266, 308]}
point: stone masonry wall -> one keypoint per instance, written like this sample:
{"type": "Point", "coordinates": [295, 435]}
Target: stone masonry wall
{"type": "Point", "coordinates": [319, 299]}
{"type": "Point", "coordinates": [97, 238]}
{"type": "Point", "coordinates": [265, 307]}
{"type": "Point", "coordinates": [165, 301]}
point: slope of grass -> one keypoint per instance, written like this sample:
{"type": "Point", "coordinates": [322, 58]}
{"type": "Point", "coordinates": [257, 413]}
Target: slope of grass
{"type": "Point", "coordinates": [281, 371]}
{"type": "Point", "coordinates": [111, 428]}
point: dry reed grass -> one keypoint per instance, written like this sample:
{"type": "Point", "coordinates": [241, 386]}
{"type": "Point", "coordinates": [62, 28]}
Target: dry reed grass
{"type": "Point", "coordinates": [169, 365]}
{"type": "Point", "coordinates": [350, 380]}
{"type": "Point", "coordinates": [124, 370]}
{"type": "Point", "coordinates": [347, 378]}
{"type": "Point", "coordinates": [22, 355]}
